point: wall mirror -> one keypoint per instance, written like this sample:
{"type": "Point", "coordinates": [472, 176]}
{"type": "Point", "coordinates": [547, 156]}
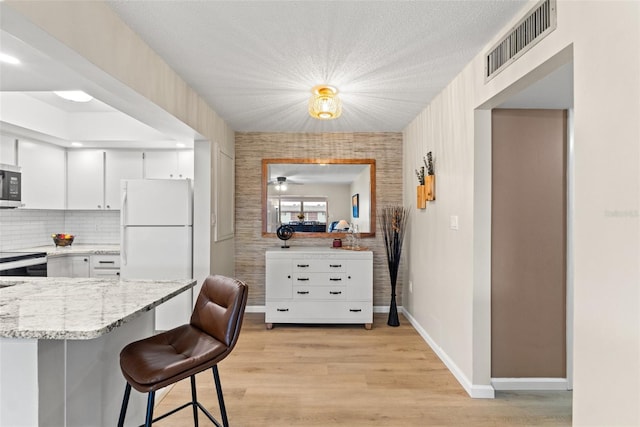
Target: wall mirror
{"type": "Point", "coordinates": [317, 197]}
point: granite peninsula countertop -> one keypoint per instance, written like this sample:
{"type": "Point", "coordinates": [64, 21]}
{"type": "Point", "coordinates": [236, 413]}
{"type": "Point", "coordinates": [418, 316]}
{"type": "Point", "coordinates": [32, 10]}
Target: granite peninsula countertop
{"type": "Point", "coordinates": [78, 309]}
{"type": "Point", "coordinates": [76, 249]}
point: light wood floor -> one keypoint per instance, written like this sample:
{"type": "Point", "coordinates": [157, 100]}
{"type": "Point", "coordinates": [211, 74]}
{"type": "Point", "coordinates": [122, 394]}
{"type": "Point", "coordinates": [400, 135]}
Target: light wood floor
{"type": "Point", "coordinates": [299, 376]}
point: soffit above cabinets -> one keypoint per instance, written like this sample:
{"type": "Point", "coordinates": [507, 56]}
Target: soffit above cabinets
{"type": "Point", "coordinates": [46, 117]}
{"type": "Point", "coordinates": [30, 110]}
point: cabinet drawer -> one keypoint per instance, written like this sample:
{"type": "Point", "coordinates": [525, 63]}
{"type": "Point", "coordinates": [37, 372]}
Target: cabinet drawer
{"type": "Point", "coordinates": [308, 293]}
{"type": "Point", "coordinates": [318, 265]}
{"type": "Point", "coordinates": [312, 312]}
{"type": "Point", "coordinates": [319, 279]}
{"type": "Point", "coordinates": [106, 272]}
{"type": "Point", "coordinates": [105, 261]}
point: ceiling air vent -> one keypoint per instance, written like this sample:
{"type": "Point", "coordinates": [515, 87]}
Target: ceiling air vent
{"type": "Point", "coordinates": [535, 26]}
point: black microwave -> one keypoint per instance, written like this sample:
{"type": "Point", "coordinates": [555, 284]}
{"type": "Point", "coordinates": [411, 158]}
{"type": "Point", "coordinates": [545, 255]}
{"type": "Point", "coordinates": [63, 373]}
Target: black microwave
{"type": "Point", "coordinates": [10, 186]}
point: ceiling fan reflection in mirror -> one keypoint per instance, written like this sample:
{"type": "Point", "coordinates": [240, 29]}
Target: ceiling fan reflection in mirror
{"type": "Point", "coordinates": [282, 182]}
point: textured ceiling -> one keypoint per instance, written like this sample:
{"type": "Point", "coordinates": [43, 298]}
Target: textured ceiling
{"type": "Point", "coordinates": [255, 62]}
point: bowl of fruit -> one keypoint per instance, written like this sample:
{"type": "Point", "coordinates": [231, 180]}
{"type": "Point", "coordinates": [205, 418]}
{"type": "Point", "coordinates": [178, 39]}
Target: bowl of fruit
{"type": "Point", "coordinates": [62, 239]}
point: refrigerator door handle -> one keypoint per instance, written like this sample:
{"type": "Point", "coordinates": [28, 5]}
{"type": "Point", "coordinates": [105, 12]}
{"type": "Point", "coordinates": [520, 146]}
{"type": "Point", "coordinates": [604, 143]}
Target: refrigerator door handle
{"type": "Point", "coordinates": [123, 213]}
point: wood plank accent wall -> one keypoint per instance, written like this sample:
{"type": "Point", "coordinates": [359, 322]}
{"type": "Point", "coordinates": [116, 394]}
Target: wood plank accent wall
{"type": "Point", "coordinates": [252, 147]}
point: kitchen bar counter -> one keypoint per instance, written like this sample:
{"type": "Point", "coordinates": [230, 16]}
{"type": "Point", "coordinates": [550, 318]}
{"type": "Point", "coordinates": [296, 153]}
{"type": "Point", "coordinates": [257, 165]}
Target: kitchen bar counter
{"type": "Point", "coordinates": [60, 340]}
{"type": "Point", "coordinates": [65, 308]}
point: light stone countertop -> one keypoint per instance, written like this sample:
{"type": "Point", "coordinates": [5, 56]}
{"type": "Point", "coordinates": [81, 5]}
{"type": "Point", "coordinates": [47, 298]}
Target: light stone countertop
{"type": "Point", "coordinates": [78, 249]}
{"type": "Point", "coordinates": [78, 309]}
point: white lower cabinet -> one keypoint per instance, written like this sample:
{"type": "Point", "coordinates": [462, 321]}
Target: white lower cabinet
{"type": "Point", "coordinates": [318, 285]}
{"type": "Point", "coordinates": [68, 266]}
{"type": "Point", "coordinates": [106, 266]}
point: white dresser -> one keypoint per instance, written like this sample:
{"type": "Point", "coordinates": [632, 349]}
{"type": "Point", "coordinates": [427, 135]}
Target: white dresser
{"type": "Point", "coordinates": [319, 285]}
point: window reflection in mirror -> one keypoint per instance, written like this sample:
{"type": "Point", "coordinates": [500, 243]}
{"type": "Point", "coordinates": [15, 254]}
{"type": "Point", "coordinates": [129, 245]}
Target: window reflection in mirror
{"type": "Point", "coordinates": [313, 195]}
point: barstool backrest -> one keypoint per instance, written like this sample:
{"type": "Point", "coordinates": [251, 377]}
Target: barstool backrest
{"type": "Point", "coordinates": [220, 308]}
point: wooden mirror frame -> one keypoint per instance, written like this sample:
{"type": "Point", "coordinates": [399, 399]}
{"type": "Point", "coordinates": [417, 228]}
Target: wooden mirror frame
{"type": "Point", "coordinates": [372, 192]}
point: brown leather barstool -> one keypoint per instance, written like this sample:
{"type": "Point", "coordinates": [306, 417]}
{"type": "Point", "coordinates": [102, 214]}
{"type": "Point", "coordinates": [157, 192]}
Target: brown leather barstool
{"type": "Point", "coordinates": [174, 355]}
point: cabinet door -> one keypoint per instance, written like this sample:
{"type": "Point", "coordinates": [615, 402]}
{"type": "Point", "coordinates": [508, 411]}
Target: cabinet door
{"type": "Point", "coordinates": [43, 175]}
{"type": "Point", "coordinates": [359, 280]}
{"type": "Point", "coordinates": [160, 164]}
{"type": "Point", "coordinates": [185, 164]}
{"type": "Point", "coordinates": [58, 267]}
{"type": "Point", "coordinates": [278, 279]}
{"type": "Point", "coordinates": [68, 266]}
{"type": "Point", "coordinates": [119, 165]}
{"type": "Point", "coordinates": [79, 265]}
{"type": "Point", "coordinates": [165, 164]}
{"type": "Point", "coordinates": [85, 179]}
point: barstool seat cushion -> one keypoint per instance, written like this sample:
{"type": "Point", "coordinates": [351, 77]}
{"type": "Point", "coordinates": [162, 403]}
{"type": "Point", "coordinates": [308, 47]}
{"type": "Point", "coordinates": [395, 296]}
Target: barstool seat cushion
{"type": "Point", "coordinates": [159, 358]}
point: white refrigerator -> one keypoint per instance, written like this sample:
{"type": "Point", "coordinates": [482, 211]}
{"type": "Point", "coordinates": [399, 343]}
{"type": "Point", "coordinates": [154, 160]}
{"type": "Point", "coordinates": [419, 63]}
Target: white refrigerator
{"type": "Point", "coordinates": [156, 220]}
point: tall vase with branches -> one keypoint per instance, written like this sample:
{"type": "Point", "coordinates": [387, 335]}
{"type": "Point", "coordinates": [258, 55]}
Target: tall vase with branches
{"type": "Point", "coordinates": [393, 220]}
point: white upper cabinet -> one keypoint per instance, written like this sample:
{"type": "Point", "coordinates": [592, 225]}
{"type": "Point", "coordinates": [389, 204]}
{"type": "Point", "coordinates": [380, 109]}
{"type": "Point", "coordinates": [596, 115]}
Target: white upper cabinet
{"type": "Point", "coordinates": [43, 175]}
{"type": "Point", "coordinates": [119, 165]}
{"type": "Point", "coordinates": [85, 179]}
{"type": "Point", "coordinates": [185, 164]}
{"type": "Point", "coordinates": [168, 164]}
{"type": "Point", "coordinates": [93, 177]}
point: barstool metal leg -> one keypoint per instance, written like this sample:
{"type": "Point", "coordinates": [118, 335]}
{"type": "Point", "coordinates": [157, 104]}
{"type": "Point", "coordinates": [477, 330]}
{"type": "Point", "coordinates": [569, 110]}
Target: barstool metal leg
{"type": "Point", "coordinates": [125, 403]}
{"type": "Point", "coordinates": [150, 402]}
{"type": "Point", "coordinates": [194, 400]}
{"type": "Point", "coordinates": [223, 410]}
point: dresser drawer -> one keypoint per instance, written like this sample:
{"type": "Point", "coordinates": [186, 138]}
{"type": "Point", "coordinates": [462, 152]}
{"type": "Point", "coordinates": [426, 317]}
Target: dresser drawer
{"type": "Point", "coordinates": [312, 312]}
{"type": "Point", "coordinates": [319, 279]}
{"type": "Point", "coordinates": [318, 265]}
{"type": "Point", "coordinates": [306, 293]}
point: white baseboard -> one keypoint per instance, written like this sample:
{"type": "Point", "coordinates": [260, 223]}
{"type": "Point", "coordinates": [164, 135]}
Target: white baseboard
{"type": "Point", "coordinates": [504, 384]}
{"type": "Point", "coordinates": [254, 309]}
{"type": "Point", "coordinates": [477, 391]}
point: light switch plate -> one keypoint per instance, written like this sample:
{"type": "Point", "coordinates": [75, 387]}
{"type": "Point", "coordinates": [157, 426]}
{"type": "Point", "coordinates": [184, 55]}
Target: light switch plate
{"type": "Point", "coordinates": [453, 222]}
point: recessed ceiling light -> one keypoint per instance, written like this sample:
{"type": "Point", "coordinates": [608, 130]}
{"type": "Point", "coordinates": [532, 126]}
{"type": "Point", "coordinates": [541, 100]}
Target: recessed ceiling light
{"type": "Point", "coordinates": [76, 144]}
{"type": "Point", "coordinates": [74, 95]}
{"type": "Point", "coordinates": [9, 59]}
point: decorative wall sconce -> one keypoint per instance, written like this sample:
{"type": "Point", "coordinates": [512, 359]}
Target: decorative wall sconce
{"type": "Point", "coordinates": [426, 190]}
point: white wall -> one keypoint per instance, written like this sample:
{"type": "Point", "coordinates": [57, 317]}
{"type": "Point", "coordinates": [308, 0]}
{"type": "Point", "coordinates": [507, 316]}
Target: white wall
{"type": "Point", "coordinates": [450, 289]}
{"type": "Point", "coordinates": [7, 150]}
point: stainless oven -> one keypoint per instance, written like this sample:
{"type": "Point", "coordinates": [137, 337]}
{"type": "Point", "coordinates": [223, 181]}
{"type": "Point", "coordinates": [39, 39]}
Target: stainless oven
{"type": "Point", "coordinates": [10, 186]}
{"type": "Point", "coordinates": [23, 264]}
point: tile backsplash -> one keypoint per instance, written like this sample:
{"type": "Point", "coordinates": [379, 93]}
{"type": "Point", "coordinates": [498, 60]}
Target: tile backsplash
{"type": "Point", "coordinates": [25, 228]}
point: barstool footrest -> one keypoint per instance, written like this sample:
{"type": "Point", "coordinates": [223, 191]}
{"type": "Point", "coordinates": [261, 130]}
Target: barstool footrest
{"type": "Point", "coordinates": [186, 405]}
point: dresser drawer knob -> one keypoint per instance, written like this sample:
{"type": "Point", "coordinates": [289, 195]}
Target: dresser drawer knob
{"type": "Point", "coordinates": [303, 279]}
{"type": "Point", "coordinates": [335, 265]}
{"type": "Point", "coordinates": [355, 310]}
{"type": "Point", "coordinates": [335, 279]}
{"type": "Point", "coordinates": [282, 309]}
{"type": "Point", "coordinates": [303, 265]}
{"type": "Point", "coordinates": [303, 292]}
{"type": "Point", "coordinates": [335, 292]}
